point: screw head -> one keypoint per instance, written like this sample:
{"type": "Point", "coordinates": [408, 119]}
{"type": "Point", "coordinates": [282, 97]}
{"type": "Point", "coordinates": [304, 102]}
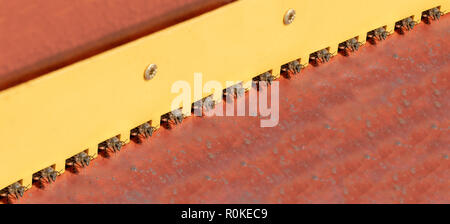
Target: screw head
{"type": "Point", "coordinates": [289, 17]}
{"type": "Point", "coordinates": [150, 71]}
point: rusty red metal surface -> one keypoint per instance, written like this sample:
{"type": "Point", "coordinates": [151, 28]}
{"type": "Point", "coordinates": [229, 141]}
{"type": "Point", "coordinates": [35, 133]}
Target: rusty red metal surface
{"type": "Point", "coordinates": [372, 127]}
{"type": "Point", "coordinates": [39, 37]}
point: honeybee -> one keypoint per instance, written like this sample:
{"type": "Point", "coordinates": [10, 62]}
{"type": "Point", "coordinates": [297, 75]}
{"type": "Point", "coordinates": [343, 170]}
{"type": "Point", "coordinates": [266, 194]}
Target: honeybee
{"type": "Point", "coordinates": [15, 189]}
{"type": "Point", "coordinates": [82, 159]}
{"type": "Point", "coordinates": [209, 103]}
{"type": "Point", "coordinates": [381, 34]}
{"type": "Point", "coordinates": [48, 173]}
{"type": "Point", "coordinates": [352, 45]}
{"type": "Point", "coordinates": [265, 77]}
{"type": "Point", "coordinates": [407, 24]}
{"type": "Point", "coordinates": [323, 56]}
{"type": "Point", "coordinates": [203, 105]}
{"type": "Point", "coordinates": [145, 130]}
{"type": "Point", "coordinates": [235, 91]}
{"type": "Point", "coordinates": [175, 117]}
{"type": "Point", "coordinates": [433, 14]}
{"type": "Point", "coordinates": [113, 144]}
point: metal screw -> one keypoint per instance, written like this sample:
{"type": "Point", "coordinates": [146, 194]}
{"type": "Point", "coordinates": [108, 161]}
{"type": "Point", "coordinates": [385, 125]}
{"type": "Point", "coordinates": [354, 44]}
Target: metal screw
{"type": "Point", "coordinates": [289, 17]}
{"type": "Point", "coordinates": [150, 71]}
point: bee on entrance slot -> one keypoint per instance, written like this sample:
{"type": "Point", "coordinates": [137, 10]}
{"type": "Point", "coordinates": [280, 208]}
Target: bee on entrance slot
{"type": "Point", "coordinates": [113, 144]}
{"type": "Point", "coordinates": [16, 189]}
{"type": "Point", "coordinates": [321, 56]}
{"type": "Point", "coordinates": [172, 118]}
{"type": "Point", "coordinates": [144, 130]}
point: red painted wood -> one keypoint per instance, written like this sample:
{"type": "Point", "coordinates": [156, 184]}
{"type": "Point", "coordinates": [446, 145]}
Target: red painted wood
{"type": "Point", "coordinates": [369, 128]}
{"type": "Point", "coordinates": [40, 36]}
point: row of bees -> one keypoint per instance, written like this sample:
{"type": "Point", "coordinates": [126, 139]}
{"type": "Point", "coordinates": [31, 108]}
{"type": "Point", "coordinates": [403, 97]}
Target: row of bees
{"type": "Point", "coordinates": [114, 145]}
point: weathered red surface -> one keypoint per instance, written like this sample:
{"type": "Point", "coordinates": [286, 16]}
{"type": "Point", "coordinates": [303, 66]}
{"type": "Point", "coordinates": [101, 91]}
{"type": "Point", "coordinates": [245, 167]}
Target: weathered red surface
{"type": "Point", "coordinates": [369, 128]}
{"type": "Point", "coordinates": [37, 37]}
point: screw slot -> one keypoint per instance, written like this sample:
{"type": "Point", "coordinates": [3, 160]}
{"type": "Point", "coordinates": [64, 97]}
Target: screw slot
{"type": "Point", "coordinates": [289, 17]}
{"type": "Point", "coordinates": [150, 72]}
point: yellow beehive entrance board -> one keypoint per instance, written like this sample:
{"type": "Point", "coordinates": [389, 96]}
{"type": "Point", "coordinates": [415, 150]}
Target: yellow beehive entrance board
{"type": "Point", "coordinates": [49, 119]}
